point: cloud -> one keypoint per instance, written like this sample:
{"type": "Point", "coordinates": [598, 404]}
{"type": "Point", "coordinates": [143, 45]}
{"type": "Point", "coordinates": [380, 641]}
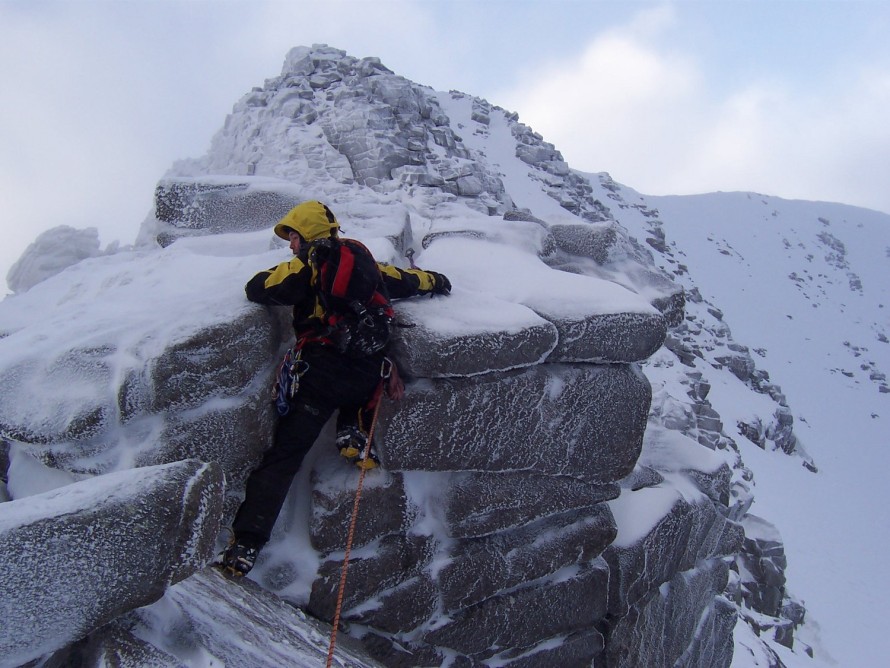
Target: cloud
{"type": "Point", "coordinates": [827, 144]}
{"type": "Point", "coordinates": [638, 103]}
{"type": "Point", "coordinates": [616, 105]}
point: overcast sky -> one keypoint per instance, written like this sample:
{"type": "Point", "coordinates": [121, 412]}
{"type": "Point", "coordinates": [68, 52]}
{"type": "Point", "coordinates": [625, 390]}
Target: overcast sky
{"type": "Point", "coordinates": [99, 97]}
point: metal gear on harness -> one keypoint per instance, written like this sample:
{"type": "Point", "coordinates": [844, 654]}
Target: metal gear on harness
{"type": "Point", "coordinates": [287, 381]}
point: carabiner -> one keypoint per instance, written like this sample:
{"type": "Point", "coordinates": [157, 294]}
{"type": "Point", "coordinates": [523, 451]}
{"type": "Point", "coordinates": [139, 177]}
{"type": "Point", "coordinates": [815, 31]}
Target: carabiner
{"type": "Point", "coordinates": [386, 368]}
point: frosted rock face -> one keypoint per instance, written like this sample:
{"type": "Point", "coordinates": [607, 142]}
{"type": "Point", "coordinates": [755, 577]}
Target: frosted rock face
{"type": "Point", "coordinates": [611, 337]}
{"type": "Point", "coordinates": [764, 562]}
{"type": "Point", "coordinates": [497, 344]}
{"type": "Point", "coordinates": [585, 421]}
{"type": "Point", "coordinates": [682, 623]}
{"type": "Point", "coordinates": [373, 573]}
{"type": "Point", "coordinates": [72, 418]}
{"type": "Point", "coordinates": [605, 250]}
{"type": "Point", "coordinates": [164, 401]}
{"type": "Point", "coordinates": [570, 190]}
{"type": "Point", "coordinates": [234, 437]}
{"type": "Point", "coordinates": [114, 645]}
{"type": "Point", "coordinates": [504, 528]}
{"type": "Point", "coordinates": [592, 241]}
{"type": "Point", "coordinates": [481, 568]}
{"type": "Point", "coordinates": [196, 207]}
{"type": "Point", "coordinates": [186, 207]}
{"type": "Point", "coordinates": [480, 504]}
{"type": "Point", "coordinates": [596, 320]}
{"type": "Point", "coordinates": [241, 624]}
{"type": "Point", "coordinates": [689, 533]}
{"type": "Point", "coordinates": [496, 536]}
{"type": "Point", "coordinates": [663, 584]}
{"type": "Point", "coordinates": [332, 501]}
{"type": "Point", "coordinates": [221, 360]}
{"type": "Point", "coordinates": [523, 618]}
{"type": "Point", "coordinates": [50, 253]}
{"type": "Point", "coordinates": [76, 558]}
{"type": "Point", "coordinates": [489, 535]}
{"type": "Point", "coordinates": [184, 385]}
{"type": "Point", "coordinates": [333, 118]}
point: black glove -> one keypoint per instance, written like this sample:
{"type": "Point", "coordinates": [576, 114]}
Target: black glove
{"type": "Point", "coordinates": [441, 284]}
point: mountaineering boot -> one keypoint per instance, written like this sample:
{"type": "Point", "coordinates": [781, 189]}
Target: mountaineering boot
{"type": "Point", "coordinates": [237, 559]}
{"type": "Point", "coordinates": [370, 463]}
{"type": "Point", "coordinates": [351, 442]}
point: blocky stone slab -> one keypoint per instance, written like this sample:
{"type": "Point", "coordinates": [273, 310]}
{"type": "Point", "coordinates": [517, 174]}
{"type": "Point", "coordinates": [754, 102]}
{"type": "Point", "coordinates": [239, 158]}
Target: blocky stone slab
{"type": "Point", "coordinates": [585, 421]}
{"type": "Point", "coordinates": [113, 645]}
{"type": "Point", "coordinates": [609, 337]}
{"type": "Point", "coordinates": [465, 336]}
{"type": "Point", "coordinates": [401, 609]}
{"type": "Point", "coordinates": [525, 617]}
{"type": "Point", "coordinates": [480, 568]}
{"type": "Point", "coordinates": [217, 361]}
{"type": "Point", "coordinates": [401, 653]}
{"type": "Point", "coordinates": [593, 241]}
{"type": "Point", "coordinates": [617, 257]}
{"type": "Point", "coordinates": [194, 206]}
{"type": "Point", "coordinates": [383, 510]}
{"type": "Point", "coordinates": [75, 558]}
{"type": "Point", "coordinates": [234, 436]}
{"type": "Point", "coordinates": [241, 624]}
{"type": "Point", "coordinates": [598, 319]}
{"type": "Point", "coordinates": [691, 531]}
{"type": "Point", "coordinates": [763, 564]}
{"type": "Point", "coordinates": [71, 416]}
{"type": "Point", "coordinates": [576, 649]}
{"type": "Point", "coordinates": [395, 560]}
{"type": "Point", "coordinates": [685, 622]}
{"type": "Point", "coordinates": [479, 504]}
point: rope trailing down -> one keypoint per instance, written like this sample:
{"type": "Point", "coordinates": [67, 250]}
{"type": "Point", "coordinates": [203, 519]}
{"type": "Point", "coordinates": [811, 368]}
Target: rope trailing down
{"type": "Point", "coordinates": [351, 535]}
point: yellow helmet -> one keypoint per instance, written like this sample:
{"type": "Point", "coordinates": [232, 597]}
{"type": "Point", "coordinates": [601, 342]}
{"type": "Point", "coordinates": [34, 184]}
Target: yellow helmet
{"type": "Point", "coordinates": [311, 220]}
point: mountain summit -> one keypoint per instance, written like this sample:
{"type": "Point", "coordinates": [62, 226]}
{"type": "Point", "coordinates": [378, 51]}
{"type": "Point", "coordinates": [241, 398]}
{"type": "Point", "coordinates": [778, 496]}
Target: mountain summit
{"type": "Point", "coordinates": [571, 474]}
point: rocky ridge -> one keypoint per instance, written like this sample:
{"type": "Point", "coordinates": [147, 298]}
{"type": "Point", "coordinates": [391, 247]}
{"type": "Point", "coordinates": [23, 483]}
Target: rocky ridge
{"type": "Point", "coordinates": [705, 338]}
{"type": "Point", "coordinates": [540, 443]}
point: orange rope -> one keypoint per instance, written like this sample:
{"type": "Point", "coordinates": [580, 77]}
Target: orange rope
{"type": "Point", "coordinates": [350, 536]}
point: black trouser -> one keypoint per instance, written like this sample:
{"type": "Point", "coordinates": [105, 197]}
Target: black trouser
{"type": "Point", "coordinates": [331, 382]}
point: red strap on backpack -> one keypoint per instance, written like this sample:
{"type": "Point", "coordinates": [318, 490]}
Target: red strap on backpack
{"type": "Point", "coordinates": [340, 284]}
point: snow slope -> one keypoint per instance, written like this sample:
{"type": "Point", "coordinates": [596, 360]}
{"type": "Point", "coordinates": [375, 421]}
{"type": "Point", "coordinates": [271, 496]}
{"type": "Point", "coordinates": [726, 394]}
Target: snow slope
{"type": "Point", "coordinates": [805, 285]}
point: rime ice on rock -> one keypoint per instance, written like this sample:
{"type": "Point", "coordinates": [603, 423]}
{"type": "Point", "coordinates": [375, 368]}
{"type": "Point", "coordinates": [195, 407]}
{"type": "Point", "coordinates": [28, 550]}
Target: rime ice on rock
{"type": "Point", "coordinates": [77, 557]}
{"type": "Point", "coordinates": [52, 252]}
{"type": "Point", "coordinates": [499, 530]}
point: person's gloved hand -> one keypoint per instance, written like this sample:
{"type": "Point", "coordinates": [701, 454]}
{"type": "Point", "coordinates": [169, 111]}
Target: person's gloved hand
{"type": "Point", "coordinates": [441, 284]}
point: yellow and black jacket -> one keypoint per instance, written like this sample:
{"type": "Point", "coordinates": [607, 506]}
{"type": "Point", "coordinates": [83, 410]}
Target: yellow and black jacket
{"type": "Point", "coordinates": [292, 283]}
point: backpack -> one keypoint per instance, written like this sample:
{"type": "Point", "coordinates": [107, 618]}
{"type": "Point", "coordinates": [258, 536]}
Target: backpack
{"type": "Point", "coordinates": [350, 288]}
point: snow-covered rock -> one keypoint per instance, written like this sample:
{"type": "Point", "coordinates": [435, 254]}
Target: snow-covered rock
{"type": "Point", "coordinates": [558, 486]}
{"type": "Point", "coordinates": [186, 206]}
{"type": "Point", "coordinates": [580, 420]}
{"type": "Point", "coordinates": [51, 252]}
{"type": "Point", "coordinates": [75, 558]}
{"type": "Point", "coordinates": [211, 619]}
{"type": "Point", "coordinates": [520, 622]}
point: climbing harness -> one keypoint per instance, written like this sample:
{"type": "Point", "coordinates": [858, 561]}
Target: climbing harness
{"type": "Point", "coordinates": [388, 373]}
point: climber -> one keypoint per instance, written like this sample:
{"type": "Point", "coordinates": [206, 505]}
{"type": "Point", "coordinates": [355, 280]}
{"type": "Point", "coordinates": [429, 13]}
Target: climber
{"type": "Point", "coordinates": [341, 316]}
